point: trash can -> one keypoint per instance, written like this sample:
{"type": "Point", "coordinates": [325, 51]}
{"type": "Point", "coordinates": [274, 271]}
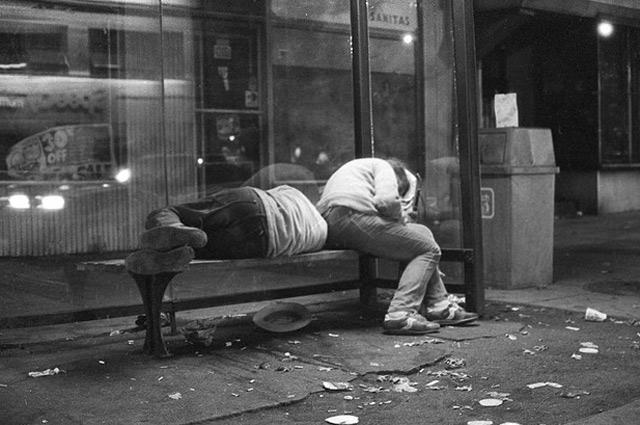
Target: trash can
{"type": "Point", "coordinates": [517, 201]}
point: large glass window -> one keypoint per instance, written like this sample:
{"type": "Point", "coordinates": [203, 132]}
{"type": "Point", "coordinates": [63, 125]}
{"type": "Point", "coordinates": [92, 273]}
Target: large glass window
{"type": "Point", "coordinates": [619, 73]}
{"type": "Point", "coordinates": [110, 109]}
{"type": "Point", "coordinates": [312, 81]}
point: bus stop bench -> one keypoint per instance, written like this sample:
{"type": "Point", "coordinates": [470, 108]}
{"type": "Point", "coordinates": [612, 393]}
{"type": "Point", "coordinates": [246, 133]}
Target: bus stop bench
{"type": "Point", "coordinates": [152, 287]}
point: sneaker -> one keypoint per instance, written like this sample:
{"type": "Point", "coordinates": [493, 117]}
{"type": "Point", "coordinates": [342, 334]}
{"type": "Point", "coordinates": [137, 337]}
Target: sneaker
{"type": "Point", "coordinates": [164, 238]}
{"type": "Point", "coordinates": [453, 315]}
{"type": "Point", "coordinates": [150, 261]}
{"type": "Point", "coordinates": [407, 323]}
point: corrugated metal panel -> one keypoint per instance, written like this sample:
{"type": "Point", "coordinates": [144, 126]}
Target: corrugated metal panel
{"type": "Point", "coordinates": [147, 185]}
{"type": "Point", "coordinates": [181, 144]}
{"type": "Point", "coordinates": [92, 220]}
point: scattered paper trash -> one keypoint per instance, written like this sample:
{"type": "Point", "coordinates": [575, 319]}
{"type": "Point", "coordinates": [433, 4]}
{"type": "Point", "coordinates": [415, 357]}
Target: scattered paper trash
{"type": "Point", "coordinates": [116, 332]}
{"type": "Point", "coordinates": [574, 394]}
{"type": "Point", "coordinates": [343, 420]}
{"type": "Point", "coordinates": [403, 385]}
{"type": "Point", "coordinates": [480, 423]}
{"type": "Point", "coordinates": [175, 396]}
{"type": "Point", "coordinates": [572, 328]}
{"type": "Point", "coordinates": [490, 402]}
{"type": "Point", "coordinates": [588, 348]}
{"type": "Point", "coordinates": [593, 315]}
{"type": "Point", "coordinates": [576, 356]}
{"type": "Point", "coordinates": [544, 384]}
{"type": "Point", "coordinates": [432, 385]}
{"type": "Point", "coordinates": [46, 372]}
{"type": "Point", "coordinates": [337, 386]}
{"type": "Point", "coordinates": [454, 363]}
{"type": "Point", "coordinates": [499, 396]}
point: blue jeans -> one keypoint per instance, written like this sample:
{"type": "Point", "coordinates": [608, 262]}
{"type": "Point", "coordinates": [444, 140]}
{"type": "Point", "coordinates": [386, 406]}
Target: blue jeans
{"type": "Point", "coordinates": [409, 243]}
{"type": "Point", "coordinates": [233, 219]}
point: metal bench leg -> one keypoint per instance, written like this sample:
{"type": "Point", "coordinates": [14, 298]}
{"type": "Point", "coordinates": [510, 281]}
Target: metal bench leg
{"type": "Point", "coordinates": [152, 289]}
{"type": "Point", "coordinates": [368, 292]}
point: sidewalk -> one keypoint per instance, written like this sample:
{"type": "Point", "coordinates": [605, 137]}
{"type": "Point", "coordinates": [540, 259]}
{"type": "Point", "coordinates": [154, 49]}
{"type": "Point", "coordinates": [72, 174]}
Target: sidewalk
{"type": "Point", "coordinates": [253, 377]}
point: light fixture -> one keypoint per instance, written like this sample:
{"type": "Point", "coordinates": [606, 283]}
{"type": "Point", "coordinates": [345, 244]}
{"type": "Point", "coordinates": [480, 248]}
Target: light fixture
{"type": "Point", "coordinates": [200, 161]}
{"type": "Point", "coordinates": [123, 175]}
{"type": "Point", "coordinates": [605, 29]}
{"type": "Point", "coordinates": [407, 38]}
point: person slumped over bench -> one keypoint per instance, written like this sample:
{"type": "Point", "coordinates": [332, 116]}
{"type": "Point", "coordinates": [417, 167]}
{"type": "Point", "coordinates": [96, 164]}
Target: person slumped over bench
{"type": "Point", "coordinates": [368, 205]}
{"type": "Point", "coordinates": [242, 222]}
{"type": "Point", "coordinates": [365, 206]}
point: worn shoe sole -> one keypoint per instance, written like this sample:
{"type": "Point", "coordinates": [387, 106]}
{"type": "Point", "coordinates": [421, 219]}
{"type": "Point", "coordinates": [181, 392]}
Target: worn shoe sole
{"type": "Point", "coordinates": [455, 322]}
{"type": "Point", "coordinates": [409, 331]}
{"type": "Point", "coordinates": [150, 261]}
{"type": "Point", "coordinates": [163, 238]}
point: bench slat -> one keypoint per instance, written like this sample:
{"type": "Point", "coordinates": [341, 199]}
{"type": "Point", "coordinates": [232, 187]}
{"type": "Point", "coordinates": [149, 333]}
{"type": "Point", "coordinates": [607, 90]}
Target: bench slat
{"type": "Point", "coordinates": [324, 255]}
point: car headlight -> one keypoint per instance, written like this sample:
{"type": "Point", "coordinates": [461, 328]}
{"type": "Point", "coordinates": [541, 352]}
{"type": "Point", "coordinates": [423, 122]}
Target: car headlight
{"type": "Point", "coordinates": [51, 202]}
{"type": "Point", "coordinates": [19, 201]}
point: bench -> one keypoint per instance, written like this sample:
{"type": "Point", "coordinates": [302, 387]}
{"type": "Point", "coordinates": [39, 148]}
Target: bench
{"type": "Point", "coordinates": [152, 287]}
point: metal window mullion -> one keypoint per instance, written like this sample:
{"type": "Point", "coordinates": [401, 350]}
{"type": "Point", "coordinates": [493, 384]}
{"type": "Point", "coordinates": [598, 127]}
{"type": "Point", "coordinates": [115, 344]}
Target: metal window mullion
{"type": "Point", "coordinates": [629, 98]}
{"type": "Point", "coordinates": [600, 101]}
{"type": "Point", "coordinates": [465, 71]}
{"type": "Point", "coordinates": [363, 125]}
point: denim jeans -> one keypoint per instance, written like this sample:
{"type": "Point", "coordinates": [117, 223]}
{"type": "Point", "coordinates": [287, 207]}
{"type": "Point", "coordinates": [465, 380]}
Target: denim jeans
{"type": "Point", "coordinates": [233, 219]}
{"type": "Point", "coordinates": [410, 243]}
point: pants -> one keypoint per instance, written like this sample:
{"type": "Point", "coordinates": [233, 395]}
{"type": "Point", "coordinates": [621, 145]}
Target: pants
{"type": "Point", "coordinates": [411, 243]}
{"type": "Point", "coordinates": [233, 219]}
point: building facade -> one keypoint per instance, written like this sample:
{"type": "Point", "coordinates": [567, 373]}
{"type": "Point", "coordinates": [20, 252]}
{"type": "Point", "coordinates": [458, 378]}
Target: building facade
{"type": "Point", "coordinates": [575, 68]}
{"type": "Point", "coordinates": [112, 108]}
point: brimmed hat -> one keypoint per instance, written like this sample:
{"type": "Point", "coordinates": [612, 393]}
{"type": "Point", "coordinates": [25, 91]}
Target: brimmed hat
{"type": "Point", "coordinates": [282, 317]}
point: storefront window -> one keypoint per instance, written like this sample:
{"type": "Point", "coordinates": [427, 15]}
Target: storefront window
{"type": "Point", "coordinates": [111, 108]}
{"type": "Point", "coordinates": [619, 74]}
{"type": "Point", "coordinates": [312, 80]}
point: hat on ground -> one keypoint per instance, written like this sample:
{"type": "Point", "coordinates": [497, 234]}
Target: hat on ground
{"type": "Point", "coordinates": [282, 317]}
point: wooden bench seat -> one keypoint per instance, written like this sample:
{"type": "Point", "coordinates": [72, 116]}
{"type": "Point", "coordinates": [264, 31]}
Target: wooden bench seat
{"type": "Point", "coordinates": [152, 287]}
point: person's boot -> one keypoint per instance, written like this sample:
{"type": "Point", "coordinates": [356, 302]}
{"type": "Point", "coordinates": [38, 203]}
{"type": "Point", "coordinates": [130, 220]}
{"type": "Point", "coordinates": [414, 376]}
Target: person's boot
{"type": "Point", "coordinates": [151, 261]}
{"type": "Point", "coordinates": [164, 238]}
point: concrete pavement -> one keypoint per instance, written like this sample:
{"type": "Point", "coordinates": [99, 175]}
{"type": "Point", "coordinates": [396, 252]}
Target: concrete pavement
{"type": "Point", "coordinates": [251, 376]}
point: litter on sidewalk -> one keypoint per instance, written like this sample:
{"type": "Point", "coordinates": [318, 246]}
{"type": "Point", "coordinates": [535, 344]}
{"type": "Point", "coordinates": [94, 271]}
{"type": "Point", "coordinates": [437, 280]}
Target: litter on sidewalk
{"type": "Point", "coordinates": [593, 315]}
{"type": "Point", "coordinates": [343, 420]}
{"type": "Point", "coordinates": [46, 372]}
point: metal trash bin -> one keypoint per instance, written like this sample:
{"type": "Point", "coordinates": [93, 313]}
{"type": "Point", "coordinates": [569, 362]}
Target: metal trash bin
{"type": "Point", "coordinates": [517, 198]}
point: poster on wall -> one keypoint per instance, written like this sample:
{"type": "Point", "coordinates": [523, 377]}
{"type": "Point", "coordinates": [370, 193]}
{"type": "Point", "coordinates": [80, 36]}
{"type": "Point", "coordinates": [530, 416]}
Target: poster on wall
{"type": "Point", "coordinates": [72, 152]}
{"type": "Point", "coordinates": [506, 110]}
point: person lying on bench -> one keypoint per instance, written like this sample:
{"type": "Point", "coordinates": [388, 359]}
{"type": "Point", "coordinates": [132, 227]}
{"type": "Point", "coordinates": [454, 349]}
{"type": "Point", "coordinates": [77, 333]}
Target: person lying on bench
{"type": "Point", "coordinates": [242, 222]}
{"type": "Point", "coordinates": [367, 204]}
